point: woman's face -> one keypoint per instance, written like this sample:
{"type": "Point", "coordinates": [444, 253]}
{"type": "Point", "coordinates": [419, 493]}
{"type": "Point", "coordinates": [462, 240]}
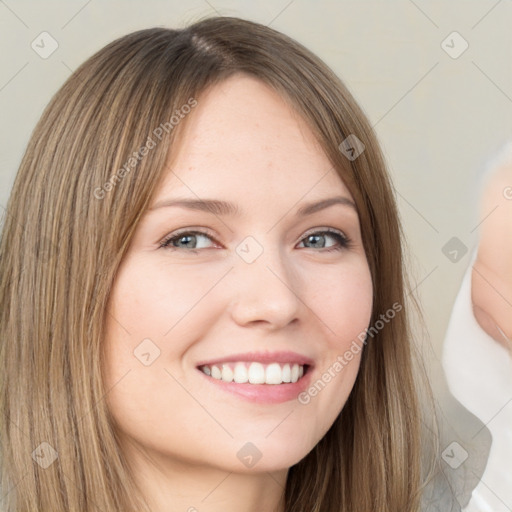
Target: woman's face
{"type": "Point", "coordinates": [260, 290]}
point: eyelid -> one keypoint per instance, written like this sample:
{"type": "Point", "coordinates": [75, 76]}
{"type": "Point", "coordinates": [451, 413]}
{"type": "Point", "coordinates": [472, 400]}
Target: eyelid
{"type": "Point", "coordinates": [190, 230]}
{"type": "Point", "coordinates": [324, 229]}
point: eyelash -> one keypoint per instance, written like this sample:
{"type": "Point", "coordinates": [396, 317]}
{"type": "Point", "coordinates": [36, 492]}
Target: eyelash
{"type": "Point", "coordinates": [343, 240]}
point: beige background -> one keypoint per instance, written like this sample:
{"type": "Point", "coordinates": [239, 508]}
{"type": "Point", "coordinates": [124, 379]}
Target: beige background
{"type": "Point", "coordinates": [438, 118]}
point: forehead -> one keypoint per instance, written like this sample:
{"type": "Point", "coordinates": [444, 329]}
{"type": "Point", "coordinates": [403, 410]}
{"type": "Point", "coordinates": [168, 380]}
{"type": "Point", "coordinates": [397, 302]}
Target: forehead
{"type": "Point", "coordinates": [244, 138]}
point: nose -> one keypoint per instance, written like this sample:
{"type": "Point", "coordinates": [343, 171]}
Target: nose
{"type": "Point", "coordinates": [265, 291]}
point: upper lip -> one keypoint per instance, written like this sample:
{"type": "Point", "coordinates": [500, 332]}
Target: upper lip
{"type": "Point", "coordinates": [261, 357]}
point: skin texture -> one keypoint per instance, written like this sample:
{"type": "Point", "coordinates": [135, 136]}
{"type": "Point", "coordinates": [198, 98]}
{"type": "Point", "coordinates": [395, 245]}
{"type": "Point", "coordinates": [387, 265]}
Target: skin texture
{"type": "Point", "coordinates": [492, 272]}
{"type": "Point", "coordinates": [181, 434]}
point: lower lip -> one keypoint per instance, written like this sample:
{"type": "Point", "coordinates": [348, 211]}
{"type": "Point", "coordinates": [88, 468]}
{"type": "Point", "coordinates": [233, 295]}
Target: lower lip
{"type": "Point", "coordinates": [264, 393]}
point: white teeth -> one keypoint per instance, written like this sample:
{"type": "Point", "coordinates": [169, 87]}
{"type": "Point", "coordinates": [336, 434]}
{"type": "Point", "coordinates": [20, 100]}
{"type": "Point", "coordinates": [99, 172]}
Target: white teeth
{"type": "Point", "coordinates": [287, 373]}
{"type": "Point", "coordinates": [227, 373]}
{"type": "Point", "coordinates": [216, 373]}
{"type": "Point", "coordinates": [295, 373]}
{"type": "Point", "coordinates": [255, 373]}
{"type": "Point", "coordinates": [273, 374]}
{"type": "Point", "coordinates": [241, 375]}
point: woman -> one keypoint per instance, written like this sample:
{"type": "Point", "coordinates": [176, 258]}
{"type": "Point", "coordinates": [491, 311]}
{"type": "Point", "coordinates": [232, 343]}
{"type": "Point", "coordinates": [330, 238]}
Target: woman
{"type": "Point", "coordinates": [254, 373]}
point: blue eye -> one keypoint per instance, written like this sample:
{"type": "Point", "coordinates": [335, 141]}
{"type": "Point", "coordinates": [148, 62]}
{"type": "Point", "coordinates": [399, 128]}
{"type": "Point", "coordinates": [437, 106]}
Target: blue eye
{"type": "Point", "coordinates": [343, 241]}
{"type": "Point", "coordinates": [189, 239]}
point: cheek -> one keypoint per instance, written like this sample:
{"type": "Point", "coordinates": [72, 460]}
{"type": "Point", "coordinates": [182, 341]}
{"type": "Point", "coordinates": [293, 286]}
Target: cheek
{"type": "Point", "coordinates": [152, 300]}
{"type": "Point", "coordinates": [155, 314]}
{"type": "Point", "coordinates": [343, 302]}
{"type": "Point", "coordinates": [138, 354]}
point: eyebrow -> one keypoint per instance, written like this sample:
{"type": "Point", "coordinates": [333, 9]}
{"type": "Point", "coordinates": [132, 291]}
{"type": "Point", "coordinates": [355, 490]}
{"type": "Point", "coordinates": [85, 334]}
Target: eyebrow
{"type": "Point", "coordinates": [226, 208]}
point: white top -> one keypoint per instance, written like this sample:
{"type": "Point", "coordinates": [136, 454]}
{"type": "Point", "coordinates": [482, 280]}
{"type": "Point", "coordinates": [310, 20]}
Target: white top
{"type": "Point", "coordinates": [479, 374]}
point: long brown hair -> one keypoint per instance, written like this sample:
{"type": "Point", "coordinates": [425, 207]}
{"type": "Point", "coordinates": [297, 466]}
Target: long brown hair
{"type": "Point", "coordinates": [81, 189]}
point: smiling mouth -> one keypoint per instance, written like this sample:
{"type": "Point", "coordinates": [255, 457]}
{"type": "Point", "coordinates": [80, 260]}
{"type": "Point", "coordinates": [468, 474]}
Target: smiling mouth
{"type": "Point", "coordinates": [245, 372]}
